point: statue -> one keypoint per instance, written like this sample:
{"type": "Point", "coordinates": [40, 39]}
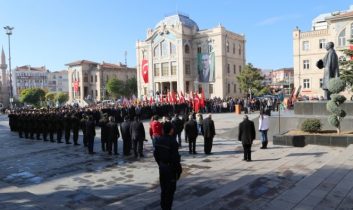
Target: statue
{"type": "Point", "coordinates": [330, 63]}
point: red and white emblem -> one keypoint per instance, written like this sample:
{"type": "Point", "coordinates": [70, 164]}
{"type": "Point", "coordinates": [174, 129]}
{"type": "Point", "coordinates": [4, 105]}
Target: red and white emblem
{"type": "Point", "coordinates": [145, 70]}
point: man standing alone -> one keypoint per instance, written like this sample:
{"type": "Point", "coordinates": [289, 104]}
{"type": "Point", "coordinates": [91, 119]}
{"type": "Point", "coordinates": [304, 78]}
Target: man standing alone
{"type": "Point", "coordinates": [137, 133]}
{"type": "Point", "coordinates": [208, 134]}
{"type": "Point", "coordinates": [191, 132]}
{"type": "Point", "coordinates": [246, 136]}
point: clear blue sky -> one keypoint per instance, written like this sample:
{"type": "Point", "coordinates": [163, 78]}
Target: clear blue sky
{"type": "Point", "coordinates": [56, 32]}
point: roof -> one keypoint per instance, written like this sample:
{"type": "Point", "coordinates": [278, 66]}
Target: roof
{"type": "Point", "coordinates": [80, 62]}
{"type": "Point", "coordinates": [29, 68]}
{"type": "Point", "coordinates": [342, 15]}
{"type": "Point", "coordinates": [178, 18]}
{"type": "Point", "coordinates": [111, 65]}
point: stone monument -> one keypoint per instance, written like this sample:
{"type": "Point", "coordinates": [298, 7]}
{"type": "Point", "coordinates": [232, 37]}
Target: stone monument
{"type": "Point", "coordinates": [331, 69]}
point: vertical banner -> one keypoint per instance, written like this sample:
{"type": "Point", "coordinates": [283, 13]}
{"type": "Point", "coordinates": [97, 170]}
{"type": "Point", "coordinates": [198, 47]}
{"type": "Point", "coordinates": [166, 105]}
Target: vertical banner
{"type": "Point", "coordinates": [145, 70]}
{"type": "Point", "coordinates": [206, 67]}
{"type": "Point", "coordinates": [76, 86]}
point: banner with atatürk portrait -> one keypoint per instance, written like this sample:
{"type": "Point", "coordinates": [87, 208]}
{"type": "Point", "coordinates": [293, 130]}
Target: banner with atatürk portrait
{"type": "Point", "coordinates": [206, 67]}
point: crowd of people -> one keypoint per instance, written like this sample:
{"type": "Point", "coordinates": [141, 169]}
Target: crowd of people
{"type": "Point", "coordinates": [167, 121]}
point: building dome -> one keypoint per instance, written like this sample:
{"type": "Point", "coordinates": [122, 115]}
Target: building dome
{"type": "Point", "coordinates": [178, 18]}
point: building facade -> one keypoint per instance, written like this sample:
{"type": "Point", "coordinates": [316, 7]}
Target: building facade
{"type": "Point", "coordinates": [177, 56]}
{"type": "Point", "coordinates": [87, 79]}
{"type": "Point", "coordinates": [29, 77]}
{"type": "Point", "coordinates": [58, 81]}
{"type": "Point", "coordinates": [280, 79]}
{"type": "Point", "coordinates": [309, 47]}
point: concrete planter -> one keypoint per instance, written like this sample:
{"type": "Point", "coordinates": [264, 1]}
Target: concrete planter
{"type": "Point", "coordinates": [303, 140]}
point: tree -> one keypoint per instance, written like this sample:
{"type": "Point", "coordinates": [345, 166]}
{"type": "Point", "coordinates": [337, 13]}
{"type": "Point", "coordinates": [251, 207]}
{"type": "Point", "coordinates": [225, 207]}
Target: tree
{"type": "Point", "coordinates": [32, 96]}
{"type": "Point", "coordinates": [115, 87]}
{"type": "Point", "coordinates": [61, 97]}
{"type": "Point", "coordinates": [346, 66]}
{"type": "Point", "coordinates": [50, 96]}
{"type": "Point", "coordinates": [131, 86]}
{"type": "Point", "coordinates": [335, 86]}
{"type": "Point", "coordinates": [250, 79]}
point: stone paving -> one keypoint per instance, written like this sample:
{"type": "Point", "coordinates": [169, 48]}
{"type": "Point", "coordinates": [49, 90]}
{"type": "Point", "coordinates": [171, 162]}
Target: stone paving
{"type": "Point", "coordinates": [40, 175]}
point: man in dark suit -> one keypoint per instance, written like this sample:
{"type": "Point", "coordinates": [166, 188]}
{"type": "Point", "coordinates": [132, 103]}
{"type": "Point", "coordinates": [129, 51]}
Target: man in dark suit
{"type": "Point", "coordinates": [208, 133]}
{"type": "Point", "coordinates": [137, 133]}
{"type": "Point", "coordinates": [90, 134]}
{"type": "Point", "coordinates": [246, 136]}
{"type": "Point", "coordinates": [125, 134]}
{"type": "Point", "coordinates": [112, 136]}
{"type": "Point", "coordinates": [191, 132]}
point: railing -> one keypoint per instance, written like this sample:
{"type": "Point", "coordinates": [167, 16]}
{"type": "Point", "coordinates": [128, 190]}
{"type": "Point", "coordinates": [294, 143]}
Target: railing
{"type": "Point", "coordinates": [314, 33]}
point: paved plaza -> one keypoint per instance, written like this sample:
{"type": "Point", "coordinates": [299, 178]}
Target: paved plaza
{"type": "Point", "coordinates": [41, 175]}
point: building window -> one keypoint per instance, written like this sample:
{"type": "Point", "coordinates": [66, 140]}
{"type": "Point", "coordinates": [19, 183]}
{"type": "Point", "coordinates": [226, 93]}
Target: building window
{"type": "Point", "coordinates": [95, 78]}
{"type": "Point", "coordinates": [200, 89]}
{"type": "Point", "coordinates": [145, 91]}
{"type": "Point", "coordinates": [187, 86]}
{"type": "Point", "coordinates": [85, 78]}
{"type": "Point", "coordinates": [187, 49]}
{"type": "Point", "coordinates": [164, 51]}
{"type": "Point", "coordinates": [235, 88]}
{"type": "Point", "coordinates": [233, 48]}
{"type": "Point", "coordinates": [96, 92]}
{"type": "Point", "coordinates": [228, 68]}
{"type": "Point", "coordinates": [306, 83]}
{"type": "Point", "coordinates": [228, 88]}
{"type": "Point", "coordinates": [210, 88]}
{"type": "Point", "coordinates": [305, 45]}
{"type": "Point", "coordinates": [174, 68]}
{"type": "Point", "coordinates": [322, 43]}
{"type": "Point", "coordinates": [234, 69]}
{"type": "Point", "coordinates": [227, 46]}
{"type": "Point", "coordinates": [156, 52]}
{"type": "Point", "coordinates": [165, 69]}
{"type": "Point", "coordinates": [199, 50]}
{"type": "Point", "coordinates": [321, 83]}
{"type": "Point", "coordinates": [342, 38]}
{"type": "Point", "coordinates": [239, 49]}
{"type": "Point", "coordinates": [187, 67]}
{"type": "Point", "coordinates": [306, 64]}
{"type": "Point", "coordinates": [172, 49]}
{"type": "Point", "coordinates": [156, 70]}
{"type": "Point", "coordinates": [107, 78]}
{"type": "Point", "coordinates": [92, 78]}
{"type": "Point", "coordinates": [239, 69]}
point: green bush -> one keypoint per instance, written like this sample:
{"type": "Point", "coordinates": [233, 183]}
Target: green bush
{"type": "Point", "coordinates": [333, 120]}
{"type": "Point", "coordinates": [311, 125]}
{"type": "Point", "coordinates": [336, 85]}
{"type": "Point", "coordinates": [338, 98]}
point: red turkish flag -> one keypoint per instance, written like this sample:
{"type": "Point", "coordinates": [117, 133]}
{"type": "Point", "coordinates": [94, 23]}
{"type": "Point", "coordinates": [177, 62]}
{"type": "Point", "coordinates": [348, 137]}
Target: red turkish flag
{"type": "Point", "coordinates": [145, 70]}
{"type": "Point", "coordinates": [75, 85]}
{"type": "Point", "coordinates": [351, 48]}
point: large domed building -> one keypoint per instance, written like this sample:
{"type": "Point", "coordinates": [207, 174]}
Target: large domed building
{"type": "Point", "coordinates": [177, 56]}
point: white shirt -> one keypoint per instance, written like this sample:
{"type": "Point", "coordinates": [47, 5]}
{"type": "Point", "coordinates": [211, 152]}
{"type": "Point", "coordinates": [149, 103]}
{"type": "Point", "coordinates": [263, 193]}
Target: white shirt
{"type": "Point", "coordinates": [264, 123]}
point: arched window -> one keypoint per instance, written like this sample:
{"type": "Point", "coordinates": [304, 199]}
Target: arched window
{"type": "Point", "coordinates": [187, 49]}
{"type": "Point", "coordinates": [156, 51]}
{"type": "Point", "coordinates": [342, 38]}
{"type": "Point", "coordinates": [172, 49]}
{"type": "Point", "coordinates": [164, 48]}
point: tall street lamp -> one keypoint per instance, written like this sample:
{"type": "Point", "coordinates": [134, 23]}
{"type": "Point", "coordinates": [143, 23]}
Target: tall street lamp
{"type": "Point", "coordinates": [8, 30]}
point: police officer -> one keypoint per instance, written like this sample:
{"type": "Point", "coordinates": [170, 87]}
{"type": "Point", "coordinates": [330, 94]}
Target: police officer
{"type": "Point", "coordinates": [112, 136]}
{"type": "Point", "coordinates": [167, 157]}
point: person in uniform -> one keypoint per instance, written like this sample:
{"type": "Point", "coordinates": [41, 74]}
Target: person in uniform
{"type": "Point", "coordinates": [167, 157]}
{"type": "Point", "coordinates": [178, 127]}
{"type": "Point", "coordinates": [103, 124]}
{"type": "Point", "coordinates": [67, 127]}
{"type": "Point", "coordinates": [246, 135]}
{"type": "Point", "coordinates": [112, 136]}
{"type": "Point", "coordinates": [137, 132]}
{"type": "Point", "coordinates": [83, 128]}
{"type": "Point", "coordinates": [191, 133]}
{"type": "Point", "coordinates": [75, 126]}
{"type": "Point", "coordinates": [19, 125]}
{"type": "Point", "coordinates": [208, 133]}
{"type": "Point", "coordinates": [59, 121]}
{"type": "Point", "coordinates": [51, 126]}
{"type": "Point", "coordinates": [90, 134]}
{"type": "Point", "coordinates": [44, 126]}
{"type": "Point", "coordinates": [125, 134]}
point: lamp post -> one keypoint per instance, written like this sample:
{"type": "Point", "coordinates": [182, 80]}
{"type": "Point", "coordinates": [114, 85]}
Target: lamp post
{"type": "Point", "coordinates": [8, 30]}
